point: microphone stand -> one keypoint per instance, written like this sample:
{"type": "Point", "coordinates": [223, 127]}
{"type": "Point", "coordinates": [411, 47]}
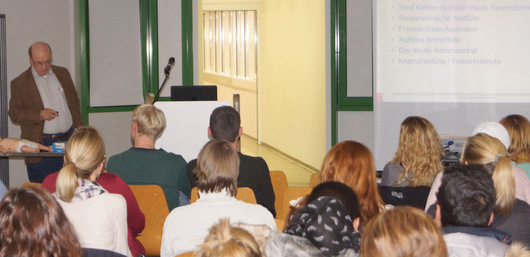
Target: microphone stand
{"type": "Point", "coordinates": [151, 98]}
{"type": "Point", "coordinates": [162, 87]}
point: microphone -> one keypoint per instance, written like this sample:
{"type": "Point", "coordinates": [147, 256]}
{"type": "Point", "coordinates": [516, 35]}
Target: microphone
{"type": "Point", "coordinates": [169, 65]}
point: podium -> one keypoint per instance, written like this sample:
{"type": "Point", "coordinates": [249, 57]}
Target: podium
{"type": "Point", "coordinates": [187, 126]}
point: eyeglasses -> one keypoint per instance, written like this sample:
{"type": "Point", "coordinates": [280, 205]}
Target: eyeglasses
{"type": "Point", "coordinates": [45, 63]}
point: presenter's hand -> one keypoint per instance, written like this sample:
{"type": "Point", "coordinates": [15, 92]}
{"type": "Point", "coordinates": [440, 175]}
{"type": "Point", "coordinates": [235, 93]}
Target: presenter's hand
{"type": "Point", "coordinates": [48, 114]}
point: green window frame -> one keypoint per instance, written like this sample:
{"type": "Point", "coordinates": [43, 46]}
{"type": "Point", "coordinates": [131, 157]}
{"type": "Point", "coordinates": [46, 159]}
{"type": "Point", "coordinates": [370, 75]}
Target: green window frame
{"type": "Point", "coordinates": [340, 101]}
{"type": "Point", "coordinates": [149, 53]}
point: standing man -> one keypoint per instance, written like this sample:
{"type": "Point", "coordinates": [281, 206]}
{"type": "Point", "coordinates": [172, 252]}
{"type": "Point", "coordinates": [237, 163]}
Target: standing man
{"type": "Point", "coordinates": [225, 123]}
{"type": "Point", "coordinates": [44, 102]}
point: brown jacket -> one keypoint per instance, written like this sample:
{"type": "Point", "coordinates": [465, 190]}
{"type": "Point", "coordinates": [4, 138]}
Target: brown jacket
{"type": "Point", "coordinates": [25, 103]}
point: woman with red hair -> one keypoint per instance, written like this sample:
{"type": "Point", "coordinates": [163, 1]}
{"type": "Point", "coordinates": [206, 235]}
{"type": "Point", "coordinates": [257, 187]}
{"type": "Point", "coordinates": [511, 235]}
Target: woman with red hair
{"type": "Point", "coordinates": [352, 163]}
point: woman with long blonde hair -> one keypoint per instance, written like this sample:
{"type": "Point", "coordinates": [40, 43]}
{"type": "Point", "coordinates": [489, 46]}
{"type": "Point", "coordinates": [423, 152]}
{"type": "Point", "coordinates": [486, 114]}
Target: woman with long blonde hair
{"type": "Point", "coordinates": [99, 217]}
{"type": "Point", "coordinates": [518, 127]}
{"type": "Point", "coordinates": [510, 213]}
{"type": "Point", "coordinates": [419, 156]}
{"type": "Point", "coordinates": [352, 163]}
{"type": "Point", "coordinates": [403, 231]}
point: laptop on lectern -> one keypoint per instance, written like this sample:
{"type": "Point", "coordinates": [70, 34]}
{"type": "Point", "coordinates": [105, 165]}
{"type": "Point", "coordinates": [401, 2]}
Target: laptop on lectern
{"type": "Point", "coordinates": [194, 93]}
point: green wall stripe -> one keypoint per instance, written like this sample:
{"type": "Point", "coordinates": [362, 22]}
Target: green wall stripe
{"type": "Point", "coordinates": [84, 53]}
{"type": "Point", "coordinates": [187, 42]}
{"type": "Point", "coordinates": [339, 76]}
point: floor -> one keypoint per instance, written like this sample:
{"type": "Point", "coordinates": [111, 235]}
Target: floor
{"type": "Point", "coordinates": [297, 174]}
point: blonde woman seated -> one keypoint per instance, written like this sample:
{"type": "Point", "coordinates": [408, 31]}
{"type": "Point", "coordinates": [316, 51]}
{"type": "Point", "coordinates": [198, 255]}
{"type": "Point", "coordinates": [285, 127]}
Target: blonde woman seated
{"type": "Point", "coordinates": [518, 127]}
{"type": "Point", "coordinates": [419, 156]}
{"type": "Point", "coordinates": [511, 214]}
{"type": "Point", "coordinates": [496, 131]}
{"type": "Point", "coordinates": [217, 171]}
{"type": "Point", "coordinates": [403, 231]}
{"type": "Point", "coordinates": [352, 163]}
{"type": "Point", "coordinates": [99, 217]}
{"type": "Point", "coordinates": [225, 240]}
{"type": "Point", "coordinates": [15, 145]}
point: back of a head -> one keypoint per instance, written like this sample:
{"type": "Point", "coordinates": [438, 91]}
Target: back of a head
{"type": "Point", "coordinates": [217, 168]}
{"type": "Point", "coordinates": [518, 127]}
{"type": "Point", "coordinates": [493, 129]}
{"type": "Point", "coordinates": [326, 223]}
{"type": "Point", "coordinates": [420, 151]}
{"type": "Point", "coordinates": [466, 196]}
{"type": "Point", "coordinates": [151, 121]}
{"type": "Point", "coordinates": [84, 152]}
{"type": "Point", "coordinates": [352, 163]}
{"type": "Point", "coordinates": [403, 231]}
{"type": "Point", "coordinates": [225, 240]}
{"type": "Point", "coordinates": [340, 191]}
{"type": "Point", "coordinates": [488, 151]}
{"type": "Point", "coordinates": [34, 224]}
{"type": "Point", "coordinates": [225, 123]}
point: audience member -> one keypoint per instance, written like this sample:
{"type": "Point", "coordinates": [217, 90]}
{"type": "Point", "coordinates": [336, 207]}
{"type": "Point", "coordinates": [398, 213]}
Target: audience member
{"type": "Point", "coordinates": [225, 240]}
{"type": "Point", "coordinates": [466, 201]}
{"type": "Point", "coordinates": [511, 214]}
{"type": "Point", "coordinates": [225, 123]}
{"type": "Point", "coordinates": [403, 231]}
{"type": "Point", "coordinates": [99, 217]}
{"type": "Point", "coordinates": [518, 127]}
{"type": "Point", "coordinates": [34, 225]}
{"type": "Point", "coordinates": [45, 104]}
{"type": "Point", "coordinates": [15, 145]}
{"type": "Point", "coordinates": [142, 164]}
{"type": "Point", "coordinates": [419, 156]}
{"type": "Point", "coordinates": [217, 171]}
{"type": "Point", "coordinates": [352, 163]}
{"type": "Point", "coordinates": [330, 220]}
{"type": "Point", "coordinates": [115, 185]}
{"type": "Point", "coordinates": [325, 226]}
{"type": "Point", "coordinates": [497, 131]}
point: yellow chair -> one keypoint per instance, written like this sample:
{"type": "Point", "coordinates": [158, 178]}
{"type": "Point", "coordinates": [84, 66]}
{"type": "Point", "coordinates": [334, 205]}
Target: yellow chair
{"type": "Point", "coordinates": [152, 202]}
{"type": "Point", "coordinates": [31, 184]}
{"type": "Point", "coordinates": [292, 193]}
{"type": "Point", "coordinates": [188, 254]}
{"type": "Point", "coordinates": [279, 184]}
{"type": "Point", "coordinates": [244, 194]}
{"type": "Point", "coordinates": [313, 181]}
{"type": "Point", "coordinates": [280, 224]}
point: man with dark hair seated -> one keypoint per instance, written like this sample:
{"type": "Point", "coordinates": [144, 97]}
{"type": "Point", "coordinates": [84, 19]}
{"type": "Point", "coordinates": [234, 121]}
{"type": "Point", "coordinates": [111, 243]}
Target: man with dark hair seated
{"type": "Point", "coordinates": [225, 123]}
{"type": "Point", "coordinates": [466, 200]}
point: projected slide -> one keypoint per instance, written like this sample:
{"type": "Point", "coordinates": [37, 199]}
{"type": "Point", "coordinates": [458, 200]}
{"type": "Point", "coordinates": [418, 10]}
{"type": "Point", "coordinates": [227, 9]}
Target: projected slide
{"type": "Point", "coordinates": [452, 51]}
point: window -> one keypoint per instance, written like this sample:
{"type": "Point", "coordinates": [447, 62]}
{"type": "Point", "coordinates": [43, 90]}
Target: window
{"type": "Point", "coordinates": [230, 43]}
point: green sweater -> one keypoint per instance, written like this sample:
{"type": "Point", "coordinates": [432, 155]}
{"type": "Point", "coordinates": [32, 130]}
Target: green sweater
{"type": "Point", "coordinates": [140, 166]}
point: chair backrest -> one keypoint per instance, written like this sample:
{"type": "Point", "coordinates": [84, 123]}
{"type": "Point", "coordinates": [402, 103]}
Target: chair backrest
{"type": "Point", "coordinates": [410, 196]}
{"type": "Point", "coordinates": [152, 203]}
{"type": "Point", "coordinates": [244, 194]}
{"type": "Point", "coordinates": [279, 184]}
{"type": "Point", "coordinates": [292, 193]}
{"type": "Point", "coordinates": [280, 224]}
{"type": "Point", "coordinates": [188, 254]}
{"type": "Point", "coordinates": [313, 181]}
{"type": "Point", "coordinates": [31, 184]}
